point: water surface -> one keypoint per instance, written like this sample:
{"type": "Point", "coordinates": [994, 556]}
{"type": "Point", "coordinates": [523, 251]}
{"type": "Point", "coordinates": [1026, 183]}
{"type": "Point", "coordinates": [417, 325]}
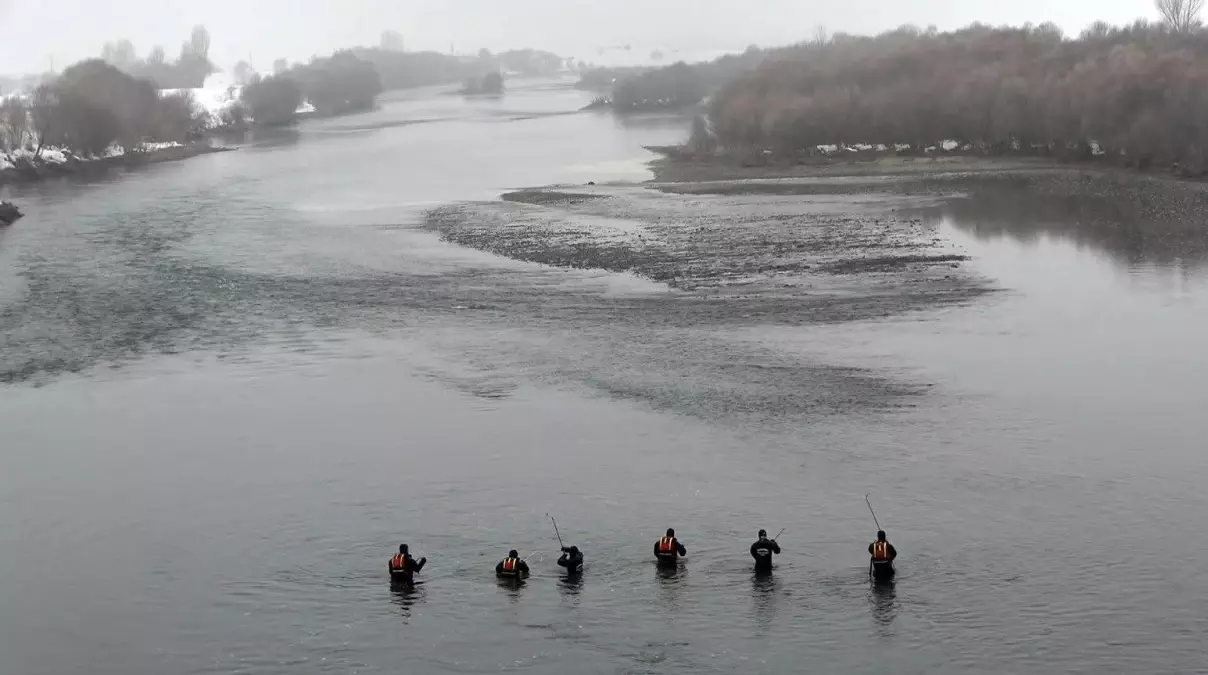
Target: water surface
{"type": "Point", "coordinates": [232, 385]}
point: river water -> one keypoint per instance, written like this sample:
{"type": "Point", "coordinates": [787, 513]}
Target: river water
{"type": "Point", "coordinates": [230, 386]}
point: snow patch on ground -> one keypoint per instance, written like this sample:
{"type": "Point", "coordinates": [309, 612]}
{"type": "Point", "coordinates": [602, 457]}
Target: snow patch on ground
{"type": "Point", "coordinates": [152, 147]}
{"type": "Point", "coordinates": [51, 155]}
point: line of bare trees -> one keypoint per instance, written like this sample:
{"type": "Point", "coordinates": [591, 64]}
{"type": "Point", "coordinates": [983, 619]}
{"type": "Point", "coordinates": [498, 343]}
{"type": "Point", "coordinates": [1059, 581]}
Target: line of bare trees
{"type": "Point", "coordinates": [92, 106]}
{"type": "Point", "coordinates": [336, 85]}
{"type": "Point", "coordinates": [677, 86]}
{"type": "Point", "coordinates": [188, 71]}
{"type": "Point", "coordinates": [1137, 93]}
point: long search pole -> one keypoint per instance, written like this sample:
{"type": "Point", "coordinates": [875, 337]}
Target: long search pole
{"type": "Point", "coordinates": [556, 532]}
{"type": "Point", "coordinates": [874, 513]}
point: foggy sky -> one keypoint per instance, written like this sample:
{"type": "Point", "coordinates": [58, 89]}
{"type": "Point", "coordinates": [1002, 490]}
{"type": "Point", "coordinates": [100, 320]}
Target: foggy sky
{"type": "Point", "coordinates": [32, 32]}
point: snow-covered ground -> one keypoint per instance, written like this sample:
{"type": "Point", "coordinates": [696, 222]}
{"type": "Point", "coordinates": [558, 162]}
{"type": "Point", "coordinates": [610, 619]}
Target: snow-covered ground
{"type": "Point", "coordinates": [49, 155]}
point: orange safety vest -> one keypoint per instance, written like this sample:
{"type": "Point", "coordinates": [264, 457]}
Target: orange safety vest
{"type": "Point", "coordinates": [667, 545]}
{"type": "Point", "coordinates": [509, 565]}
{"type": "Point", "coordinates": [880, 550]}
{"type": "Point", "coordinates": [399, 562]}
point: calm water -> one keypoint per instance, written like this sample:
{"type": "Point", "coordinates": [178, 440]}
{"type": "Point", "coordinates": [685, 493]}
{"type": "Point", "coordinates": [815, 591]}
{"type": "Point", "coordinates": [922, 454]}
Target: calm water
{"type": "Point", "coordinates": [232, 385]}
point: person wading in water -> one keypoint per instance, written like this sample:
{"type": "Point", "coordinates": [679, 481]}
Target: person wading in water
{"type": "Point", "coordinates": [883, 554]}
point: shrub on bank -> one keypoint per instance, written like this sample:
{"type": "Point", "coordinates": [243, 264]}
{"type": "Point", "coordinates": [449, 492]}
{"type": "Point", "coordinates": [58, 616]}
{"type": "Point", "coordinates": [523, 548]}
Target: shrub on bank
{"type": "Point", "coordinates": [491, 83]}
{"type": "Point", "coordinates": [93, 107]}
{"type": "Point", "coordinates": [340, 84]}
{"type": "Point", "coordinates": [272, 101]}
{"type": "Point", "coordinates": [675, 86]}
{"type": "Point", "coordinates": [679, 85]}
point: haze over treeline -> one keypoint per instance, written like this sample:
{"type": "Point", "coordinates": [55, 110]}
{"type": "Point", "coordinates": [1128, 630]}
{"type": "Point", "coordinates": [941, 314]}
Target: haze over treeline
{"type": "Point", "coordinates": [65, 31]}
{"type": "Point", "coordinates": [122, 100]}
{"type": "Point", "coordinates": [1139, 90]}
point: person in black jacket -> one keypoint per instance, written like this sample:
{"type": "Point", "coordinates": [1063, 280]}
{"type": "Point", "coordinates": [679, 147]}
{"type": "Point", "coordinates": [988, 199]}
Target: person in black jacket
{"type": "Point", "coordinates": [512, 567]}
{"type": "Point", "coordinates": [403, 567]}
{"type": "Point", "coordinates": [668, 549]}
{"type": "Point", "coordinates": [572, 560]}
{"type": "Point", "coordinates": [883, 554]}
{"type": "Point", "coordinates": [762, 552]}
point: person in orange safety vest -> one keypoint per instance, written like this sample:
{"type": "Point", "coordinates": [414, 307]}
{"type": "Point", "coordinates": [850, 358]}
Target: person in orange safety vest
{"type": "Point", "coordinates": [403, 567]}
{"type": "Point", "coordinates": [883, 554]}
{"type": "Point", "coordinates": [667, 549]}
{"type": "Point", "coordinates": [512, 567]}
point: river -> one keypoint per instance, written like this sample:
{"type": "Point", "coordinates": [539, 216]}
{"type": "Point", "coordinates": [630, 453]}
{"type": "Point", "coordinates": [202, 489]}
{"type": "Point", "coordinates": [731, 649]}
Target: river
{"type": "Point", "coordinates": [230, 386]}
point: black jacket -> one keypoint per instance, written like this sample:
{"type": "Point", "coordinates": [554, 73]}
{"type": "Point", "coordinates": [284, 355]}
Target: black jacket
{"type": "Point", "coordinates": [573, 565]}
{"type": "Point", "coordinates": [762, 551]}
{"type": "Point", "coordinates": [677, 549]}
{"type": "Point", "coordinates": [522, 569]}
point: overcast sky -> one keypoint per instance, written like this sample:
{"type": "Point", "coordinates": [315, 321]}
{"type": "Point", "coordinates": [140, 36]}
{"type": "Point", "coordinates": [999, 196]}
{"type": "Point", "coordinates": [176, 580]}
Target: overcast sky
{"type": "Point", "coordinates": [34, 31]}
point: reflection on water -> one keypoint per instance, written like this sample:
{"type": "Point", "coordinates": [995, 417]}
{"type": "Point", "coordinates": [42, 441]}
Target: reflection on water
{"type": "Point", "coordinates": [676, 123]}
{"type": "Point", "coordinates": [405, 596]}
{"type": "Point", "coordinates": [763, 598]}
{"type": "Point", "coordinates": [268, 138]}
{"type": "Point", "coordinates": [511, 587]}
{"type": "Point", "coordinates": [671, 581]}
{"type": "Point", "coordinates": [571, 586]}
{"type": "Point", "coordinates": [1130, 231]}
{"type": "Point", "coordinates": [883, 599]}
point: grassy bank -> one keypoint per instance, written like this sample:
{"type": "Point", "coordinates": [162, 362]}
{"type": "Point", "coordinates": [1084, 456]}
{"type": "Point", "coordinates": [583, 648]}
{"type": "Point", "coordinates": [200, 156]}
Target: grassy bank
{"type": "Point", "coordinates": [25, 169]}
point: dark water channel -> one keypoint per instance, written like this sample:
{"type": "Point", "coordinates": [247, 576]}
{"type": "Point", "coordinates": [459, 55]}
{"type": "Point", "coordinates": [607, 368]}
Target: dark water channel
{"type": "Point", "coordinates": [229, 386]}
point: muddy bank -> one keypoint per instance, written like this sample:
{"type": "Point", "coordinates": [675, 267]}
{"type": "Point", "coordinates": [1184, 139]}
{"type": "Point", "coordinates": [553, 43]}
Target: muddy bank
{"type": "Point", "coordinates": [1137, 216]}
{"type": "Point", "coordinates": [29, 172]}
{"type": "Point", "coordinates": [670, 165]}
{"type": "Point", "coordinates": [1154, 194]}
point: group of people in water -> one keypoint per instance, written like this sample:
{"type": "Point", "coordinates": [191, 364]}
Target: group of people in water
{"type": "Point", "coordinates": [667, 552]}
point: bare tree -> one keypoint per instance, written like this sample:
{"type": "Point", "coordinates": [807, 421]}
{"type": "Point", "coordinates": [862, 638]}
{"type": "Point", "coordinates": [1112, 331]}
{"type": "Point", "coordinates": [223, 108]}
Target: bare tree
{"type": "Point", "coordinates": [392, 41]}
{"type": "Point", "coordinates": [199, 42]}
{"type": "Point", "coordinates": [14, 124]}
{"type": "Point", "coordinates": [243, 72]}
{"type": "Point", "coordinates": [46, 114]}
{"type": "Point", "coordinates": [821, 35]}
{"type": "Point", "coordinates": [1124, 94]}
{"type": "Point", "coordinates": [1180, 16]}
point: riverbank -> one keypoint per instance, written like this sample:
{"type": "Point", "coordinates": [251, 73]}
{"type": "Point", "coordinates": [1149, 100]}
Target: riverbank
{"type": "Point", "coordinates": [1162, 201]}
{"type": "Point", "coordinates": [673, 165]}
{"type": "Point", "coordinates": [24, 168]}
